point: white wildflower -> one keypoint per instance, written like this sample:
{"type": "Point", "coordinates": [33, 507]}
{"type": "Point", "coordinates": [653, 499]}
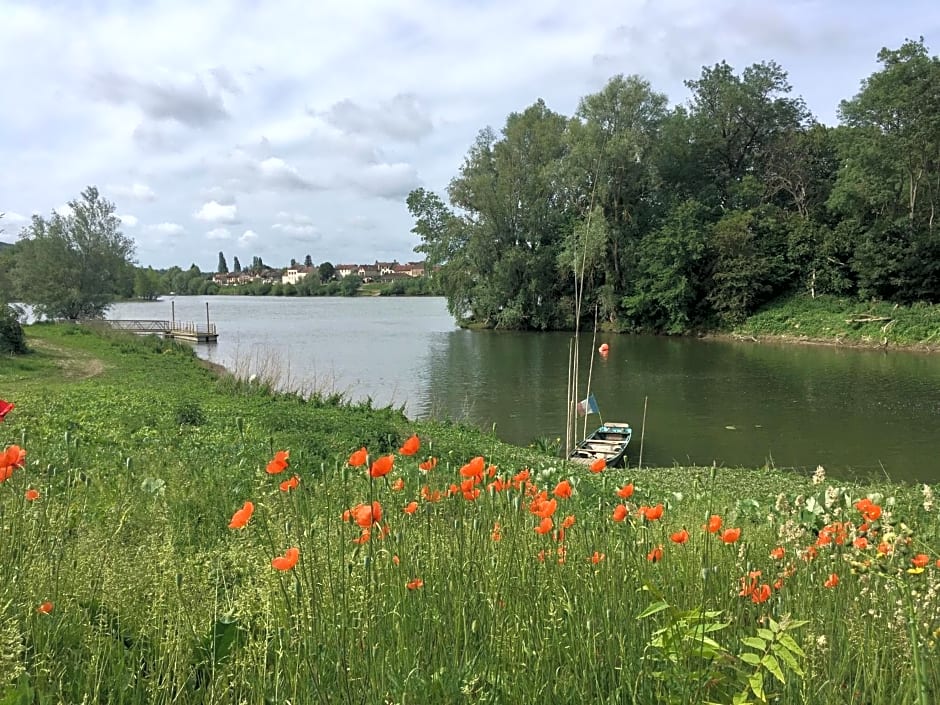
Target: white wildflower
{"type": "Point", "coordinates": [928, 498]}
{"type": "Point", "coordinates": [819, 476]}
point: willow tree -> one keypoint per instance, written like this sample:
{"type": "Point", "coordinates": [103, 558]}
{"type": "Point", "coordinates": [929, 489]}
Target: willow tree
{"type": "Point", "coordinates": [511, 228]}
{"type": "Point", "coordinates": [73, 266]}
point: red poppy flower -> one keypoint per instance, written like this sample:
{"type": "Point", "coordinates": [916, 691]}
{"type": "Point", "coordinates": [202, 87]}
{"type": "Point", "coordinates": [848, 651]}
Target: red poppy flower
{"type": "Point", "coordinates": [32, 495]}
{"type": "Point", "coordinates": [411, 446]}
{"type": "Point", "coordinates": [46, 607]}
{"type": "Point", "coordinates": [655, 555]}
{"type": "Point", "coordinates": [5, 408]}
{"type": "Point", "coordinates": [568, 522]}
{"type": "Point", "coordinates": [411, 508]}
{"type": "Point", "coordinates": [544, 526]}
{"type": "Point", "coordinates": [626, 491]}
{"type": "Point", "coordinates": [778, 553]}
{"type": "Point", "coordinates": [652, 513]}
{"type": "Point", "coordinates": [562, 490]}
{"type": "Point", "coordinates": [920, 560]}
{"type": "Point", "coordinates": [761, 594]}
{"type": "Point", "coordinates": [428, 464]}
{"type": "Point", "coordinates": [474, 468]}
{"type": "Point", "coordinates": [730, 535]}
{"type": "Point", "coordinates": [597, 557]}
{"type": "Point", "coordinates": [398, 485]}
{"type": "Point", "coordinates": [13, 457]}
{"type": "Point", "coordinates": [363, 537]}
{"type": "Point", "coordinates": [279, 463]}
{"type": "Point", "coordinates": [714, 523]}
{"type": "Point", "coordinates": [382, 466]}
{"type": "Point", "coordinates": [497, 534]}
{"type": "Point", "coordinates": [359, 457]}
{"type": "Point", "coordinates": [546, 508]}
{"type": "Point", "coordinates": [861, 543]}
{"type": "Point", "coordinates": [415, 584]}
{"type": "Point", "coordinates": [680, 536]}
{"type": "Point", "coordinates": [599, 465]}
{"type": "Point", "coordinates": [240, 517]}
{"type": "Point", "coordinates": [290, 484]}
{"type": "Point", "coordinates": [620, 512]}
{"type": "Point", "coordinates": [288, 560]}
{"type": "Point", "coordinates": [365, 515]}
{"type": "Point", "coordinates": [831, 581]}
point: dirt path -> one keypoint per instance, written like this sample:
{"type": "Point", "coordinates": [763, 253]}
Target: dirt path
{"type": "Point", "coordinates": [75, 366]}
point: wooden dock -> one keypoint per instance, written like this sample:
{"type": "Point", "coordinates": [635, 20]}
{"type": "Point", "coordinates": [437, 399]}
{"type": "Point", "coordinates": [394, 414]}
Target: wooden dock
{"type": "Point", "coordinates": [178, 330]}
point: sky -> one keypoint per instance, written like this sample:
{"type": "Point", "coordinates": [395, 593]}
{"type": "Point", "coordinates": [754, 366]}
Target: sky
{"type": "Point", "coordinates": [282, 128]}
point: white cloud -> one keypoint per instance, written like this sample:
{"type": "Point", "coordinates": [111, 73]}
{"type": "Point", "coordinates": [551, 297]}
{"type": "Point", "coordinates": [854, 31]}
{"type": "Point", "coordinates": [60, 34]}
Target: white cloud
{"type": "Point", "coordinates": [11, 218]}
{"type": "Point", "coordinates": [215, 212]}
{"type": "Point", "coordinates": [392, 98]}
{"type": "Point", "coordinates": [219, 234]}
{"type": "Point", "coordinates": [386, 180]}
{"type": "Point", "coordinates": [168, 228]}
{"type": "Point", "coordinates": [129, 221]}
{"type": "Point", "coordinates": [141, 192]}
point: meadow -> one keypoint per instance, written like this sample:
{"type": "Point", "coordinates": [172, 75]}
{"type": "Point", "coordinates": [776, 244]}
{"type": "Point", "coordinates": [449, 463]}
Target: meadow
{"type": "Point", "coordinates": [176, 534]}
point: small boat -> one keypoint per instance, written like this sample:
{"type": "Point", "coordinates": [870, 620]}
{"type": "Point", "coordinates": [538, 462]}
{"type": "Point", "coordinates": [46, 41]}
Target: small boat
{"type": "Point", "coordinates": [609, 441]}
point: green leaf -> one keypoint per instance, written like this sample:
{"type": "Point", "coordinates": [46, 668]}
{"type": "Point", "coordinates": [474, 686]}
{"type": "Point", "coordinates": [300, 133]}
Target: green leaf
{"type": "Point", "coordinates": [654, 608]}
{"type": "Point", "coordinates": [771, 664]}
{"type": "Point", "coordinates": [774, 627]}
{"type": "Point", "coordinates": [754, 642]}
{"type": "Point", "coordinates": [788, 659]}
{"type": "Point", "coordinates": [751, 658]}
{"type": "Point", "coordinates": [788, 642]}
{"type": "Point", "coordinates": [756, 682]}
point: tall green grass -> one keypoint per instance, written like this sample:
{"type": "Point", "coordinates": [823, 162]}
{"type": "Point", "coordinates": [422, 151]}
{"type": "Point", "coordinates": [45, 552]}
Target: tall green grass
{"type": "Point", "coordinates": [156, 600]}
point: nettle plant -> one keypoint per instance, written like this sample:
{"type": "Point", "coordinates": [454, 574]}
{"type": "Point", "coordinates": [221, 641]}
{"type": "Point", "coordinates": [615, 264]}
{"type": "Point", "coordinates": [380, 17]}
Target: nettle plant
{"type": "Point", "coordinates": [685, 649]}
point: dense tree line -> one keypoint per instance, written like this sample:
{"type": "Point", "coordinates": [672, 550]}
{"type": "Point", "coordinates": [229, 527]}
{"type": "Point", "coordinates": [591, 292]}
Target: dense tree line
{"type": "Point", "coordinates": [674, 219]}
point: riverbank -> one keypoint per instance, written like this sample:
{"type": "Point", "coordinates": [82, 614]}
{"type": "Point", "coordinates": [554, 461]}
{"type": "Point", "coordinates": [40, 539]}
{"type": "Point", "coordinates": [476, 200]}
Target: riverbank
{"type": "Point", "coordinates": [841, 322]}
{"type": "Point", "coordinates": [515, 578]}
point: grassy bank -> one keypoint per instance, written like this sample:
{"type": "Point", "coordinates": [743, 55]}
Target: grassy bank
{"type": "Point", "coordinates": [836, 321]}
{"type": "Point", "coordinates": [124, 583]}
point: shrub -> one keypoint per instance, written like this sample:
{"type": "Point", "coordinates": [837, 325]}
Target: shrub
{"type": "Point", "coordinates": [12, 340]}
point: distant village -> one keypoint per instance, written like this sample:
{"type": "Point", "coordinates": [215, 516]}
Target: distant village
{"type": "Point", "coordinates": [294, 274]}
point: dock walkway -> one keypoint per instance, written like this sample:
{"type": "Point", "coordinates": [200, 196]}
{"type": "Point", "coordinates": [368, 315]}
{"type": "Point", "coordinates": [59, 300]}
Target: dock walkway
{"type": "Point", "coordinates": [178, 330]}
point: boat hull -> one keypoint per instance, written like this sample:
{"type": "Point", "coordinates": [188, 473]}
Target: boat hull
{"type": "Point", "coordinates": [609, 441]}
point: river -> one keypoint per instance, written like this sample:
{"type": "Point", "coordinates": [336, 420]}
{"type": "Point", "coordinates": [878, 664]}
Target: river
{"type": "Point", "coordinates": [858, 413]}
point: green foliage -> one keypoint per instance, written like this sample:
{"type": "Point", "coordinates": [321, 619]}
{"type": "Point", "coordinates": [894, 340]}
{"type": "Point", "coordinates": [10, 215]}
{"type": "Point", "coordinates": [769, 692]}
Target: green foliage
{"type": "Point", "coordinates": [846, 321]}
{"type": "Point", "coordinates": [12, 340]}
{"type": "Point", "coordinates": [74, 266]}
{"type": "Point", "coordinates": [675, 220]}
{"type": "Point", "coordinates": [189, 413]}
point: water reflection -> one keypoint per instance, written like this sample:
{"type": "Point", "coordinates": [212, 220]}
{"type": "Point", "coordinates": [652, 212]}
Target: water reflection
{"type": "Point", "coordinates": [853, 411]}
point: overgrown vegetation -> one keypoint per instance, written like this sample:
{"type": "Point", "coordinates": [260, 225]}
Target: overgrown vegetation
{"type": "Point", "coordinates": [694, 217]}
{"type": "Point", "coordinates": [845, 321]}
{"type": "Point", "coordinates": [124, 583]}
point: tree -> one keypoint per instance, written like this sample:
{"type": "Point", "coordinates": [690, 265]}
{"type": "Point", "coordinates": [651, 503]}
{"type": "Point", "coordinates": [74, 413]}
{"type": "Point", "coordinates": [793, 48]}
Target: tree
{"type": "Point", "coordinates": [223, 265]}
{"type": "Point", "coordinates": [890, 183]}
{"type": "Point", "coordinates": [236, 266]}
{"type": "Point", "coordinates": [326, 272]}
{"type": "Point", "coordinates": [72, 266]}
{"type": "Point", "coordinates": [308, 261]}
{"type": "Point", "coordinates": [293, 263]}
{"type": "Point", "coordinates": [147, 284]}
{"type": "Point", "coordinates": [735, 119]}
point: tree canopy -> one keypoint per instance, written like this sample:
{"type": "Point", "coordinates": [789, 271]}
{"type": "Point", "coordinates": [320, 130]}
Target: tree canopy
{"type": "Point", "coordinates": [73, 266]}
{"type": "Point", "coordinates": [672, 219]}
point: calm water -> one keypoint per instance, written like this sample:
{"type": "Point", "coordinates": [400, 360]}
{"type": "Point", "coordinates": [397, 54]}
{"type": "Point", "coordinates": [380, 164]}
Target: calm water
{"type": "Point", "coordinates": [852, 411]}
